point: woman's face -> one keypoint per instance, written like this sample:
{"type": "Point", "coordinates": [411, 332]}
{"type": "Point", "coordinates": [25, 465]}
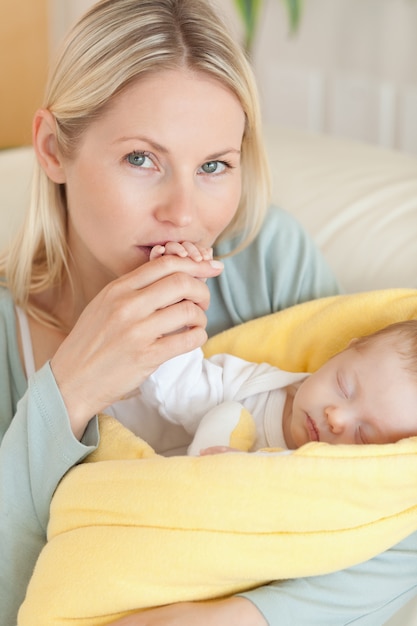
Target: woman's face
{"type": "Point", "coordinates": [161, 164]}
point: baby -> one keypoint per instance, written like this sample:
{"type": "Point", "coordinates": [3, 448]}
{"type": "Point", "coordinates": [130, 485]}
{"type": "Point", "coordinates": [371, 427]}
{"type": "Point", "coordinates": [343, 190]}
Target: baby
{"type": "Point", "coordinates": [365, 394]}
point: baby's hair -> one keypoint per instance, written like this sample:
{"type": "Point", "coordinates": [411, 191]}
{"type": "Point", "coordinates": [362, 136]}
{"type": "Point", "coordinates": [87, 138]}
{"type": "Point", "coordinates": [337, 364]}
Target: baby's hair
{"type": "Point", "coordinates": [403, 337]}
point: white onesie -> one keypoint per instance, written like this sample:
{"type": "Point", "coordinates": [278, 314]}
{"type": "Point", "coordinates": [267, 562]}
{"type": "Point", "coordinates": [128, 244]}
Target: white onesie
{"type": "Point", "coordinates": [184, 389]}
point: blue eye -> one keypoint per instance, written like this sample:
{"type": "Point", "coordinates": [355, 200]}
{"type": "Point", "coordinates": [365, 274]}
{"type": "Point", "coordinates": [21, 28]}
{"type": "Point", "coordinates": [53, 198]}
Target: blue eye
{"type": "Point", "coordinates": [214, 167]}
{"type": "Point", "coordinates": [139, 159]}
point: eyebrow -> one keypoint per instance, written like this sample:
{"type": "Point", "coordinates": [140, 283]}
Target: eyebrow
{"type": "Point", "coordinates": [157, 146]}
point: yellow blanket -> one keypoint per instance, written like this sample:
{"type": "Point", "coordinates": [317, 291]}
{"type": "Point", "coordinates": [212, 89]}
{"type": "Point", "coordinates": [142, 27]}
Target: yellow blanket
{"type": "Point", "coordinates": [131, 529]}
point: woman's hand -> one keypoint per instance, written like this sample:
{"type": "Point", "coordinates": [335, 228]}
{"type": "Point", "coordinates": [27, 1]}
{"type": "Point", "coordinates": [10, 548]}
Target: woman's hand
{"type": "Point", "coordinates": [234, 611]}
{"type": "Point", "coordinates": [132, 326]}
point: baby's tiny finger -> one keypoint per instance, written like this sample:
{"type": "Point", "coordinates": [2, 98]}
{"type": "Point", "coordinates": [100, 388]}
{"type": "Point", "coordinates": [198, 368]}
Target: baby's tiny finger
{"type": "Point", "coordinates": [174, 247]}
{"type": "Point", "coordinates": [217, 450]}
{"type": "Point", "coordinates": [207, 254]}
{"type": "Point", "coordinates": [193, 251]}
{"type": "Point", "coordinates": [156, 252]}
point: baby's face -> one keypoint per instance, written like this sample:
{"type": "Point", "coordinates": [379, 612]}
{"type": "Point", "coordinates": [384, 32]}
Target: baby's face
{"type": "Point", "coordinates": [358, 397]}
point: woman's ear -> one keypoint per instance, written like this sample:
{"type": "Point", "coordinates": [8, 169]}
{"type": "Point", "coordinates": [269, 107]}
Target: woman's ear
{"type": "Point", "coordinates": [46, 145]}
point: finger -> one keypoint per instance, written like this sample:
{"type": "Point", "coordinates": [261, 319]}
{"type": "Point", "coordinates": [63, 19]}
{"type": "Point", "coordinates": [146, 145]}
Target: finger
{"type": "Point", "coordinates": [198, 253]}
{"type": "Point", "coordinates": [207, 253]}
{"type": "Point", "coordinates": [217, 450]}
{"type": "Point", "coordinates": [175, 247]}
{"type": "Point", "coordinates": [168, 265]}
{"type": "Point", "coordinates": [167, 292]}
{"type": "Point", "coordinates": [156, 252]}
{"type": "Point", "coordinates": [174, 344]}
{"type": "Point", "coordinates": [193, 251]}
{"type": "Point", "coordinates": [177, 317]}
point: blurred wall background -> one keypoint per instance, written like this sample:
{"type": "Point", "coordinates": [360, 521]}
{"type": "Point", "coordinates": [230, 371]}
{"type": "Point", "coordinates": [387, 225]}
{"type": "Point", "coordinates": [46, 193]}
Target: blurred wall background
{"type": "Point", "coordinates": [24, 50]}
{"type": "Point", "coordinates": [350, 70]}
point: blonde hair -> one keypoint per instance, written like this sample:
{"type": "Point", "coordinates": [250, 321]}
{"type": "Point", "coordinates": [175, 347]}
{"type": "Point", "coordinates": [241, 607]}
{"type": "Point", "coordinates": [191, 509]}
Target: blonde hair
{"type": "Point", "coordinates": [113, 44]}
{"type": "Point", "coordinates": [401, 335]}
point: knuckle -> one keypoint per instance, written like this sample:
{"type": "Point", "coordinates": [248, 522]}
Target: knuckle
{"type": "Point", "coordinates": [181, 282]}
{"type": "Point", "coordinates": [192, 314]}
{"type": "Point", "coordinates": [194, 339]}
{"type": "Point", "coordinates": [169, 263]}
{"type": "Point", "coordinates": [189, 309]}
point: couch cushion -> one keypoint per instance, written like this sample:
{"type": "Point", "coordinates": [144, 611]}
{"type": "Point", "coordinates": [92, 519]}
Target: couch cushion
{"type": "Point", "coordinates": [358, 201]}
{"type": "Point", "coordinates": [15, 178]}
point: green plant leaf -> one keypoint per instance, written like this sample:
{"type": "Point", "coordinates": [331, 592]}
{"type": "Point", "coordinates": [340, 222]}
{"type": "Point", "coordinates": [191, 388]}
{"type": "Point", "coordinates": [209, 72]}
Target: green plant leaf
{"type": "Point", "coordinates": [249, 11]}
{"type": "Point", "coordinates": [294, 9]}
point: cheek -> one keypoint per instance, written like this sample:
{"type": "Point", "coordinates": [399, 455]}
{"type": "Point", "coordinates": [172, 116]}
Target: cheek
{"type": "Point", "coordinates": [234, 199]}
{"type": "Point", "coordinates": [83, 191]}
{"type": "Point", "coordinates": [93, 216]}
{"type": "Point", "coordinates": [94, 197]}
{"type": "Point", "coordinates": [221, 208]}
{"type": "Point", "coordinates": [308, 391]}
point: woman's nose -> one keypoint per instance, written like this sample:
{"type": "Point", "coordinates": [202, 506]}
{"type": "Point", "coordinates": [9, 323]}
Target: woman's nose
{"type": "Point", "coordinates": [178, 204]}
{"type": "Point", "coordinates": [336, 419]}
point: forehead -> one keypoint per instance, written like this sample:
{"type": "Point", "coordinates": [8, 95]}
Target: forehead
{"type": "Point", "coordinates": [380, 369]}
{"type": "Point", "coordinates": [175, 90]}
{"type": "Point", "coordinates": [170, 104]}
{"type": "Point", "coordinates": [384, 349]}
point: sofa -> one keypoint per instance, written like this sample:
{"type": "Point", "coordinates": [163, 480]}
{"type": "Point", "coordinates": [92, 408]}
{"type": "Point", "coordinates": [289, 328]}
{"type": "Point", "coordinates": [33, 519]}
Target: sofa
{"type": "Point", "coordinates": [359, 203]}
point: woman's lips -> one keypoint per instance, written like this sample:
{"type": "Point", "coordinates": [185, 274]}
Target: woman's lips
{"type": "Point", "coordinates": [313, 431]}
{"type": "Point", "coordinates": [146, 250]}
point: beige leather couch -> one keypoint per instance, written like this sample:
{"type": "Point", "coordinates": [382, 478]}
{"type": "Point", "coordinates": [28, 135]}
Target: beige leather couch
{"type": "Point", "coordinates": [359, 203]}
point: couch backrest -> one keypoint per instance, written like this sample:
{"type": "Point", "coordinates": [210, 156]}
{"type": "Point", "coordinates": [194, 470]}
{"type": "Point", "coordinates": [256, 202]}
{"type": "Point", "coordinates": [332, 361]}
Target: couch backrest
{"type": "Point", "coordinates": [359, 202]}
{"type": "Point", "coordinates": [15, 177]}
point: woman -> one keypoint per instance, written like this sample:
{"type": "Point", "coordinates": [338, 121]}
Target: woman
{"type": "Point", "coordinates": [150, 132]}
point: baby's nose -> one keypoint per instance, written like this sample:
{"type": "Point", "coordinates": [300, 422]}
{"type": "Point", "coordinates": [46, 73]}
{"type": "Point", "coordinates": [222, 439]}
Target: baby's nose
{"type": "Point", "coordinates": [336, 419]}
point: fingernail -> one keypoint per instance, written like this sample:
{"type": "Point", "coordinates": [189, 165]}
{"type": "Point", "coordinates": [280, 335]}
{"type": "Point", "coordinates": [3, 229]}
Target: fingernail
{"type": "Point", "coordinates": [218, 265]}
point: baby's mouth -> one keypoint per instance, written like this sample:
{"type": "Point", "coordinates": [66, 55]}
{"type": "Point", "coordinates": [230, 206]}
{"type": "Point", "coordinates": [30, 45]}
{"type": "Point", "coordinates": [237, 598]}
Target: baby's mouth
{"type": "Point", "coordinates": [312, 429]}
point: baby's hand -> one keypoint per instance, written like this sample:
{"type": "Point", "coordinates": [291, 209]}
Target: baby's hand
{"type": "Point", "coordinates": [184, 249]}
{"type": "Point", "coordinates": [218, 450]}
